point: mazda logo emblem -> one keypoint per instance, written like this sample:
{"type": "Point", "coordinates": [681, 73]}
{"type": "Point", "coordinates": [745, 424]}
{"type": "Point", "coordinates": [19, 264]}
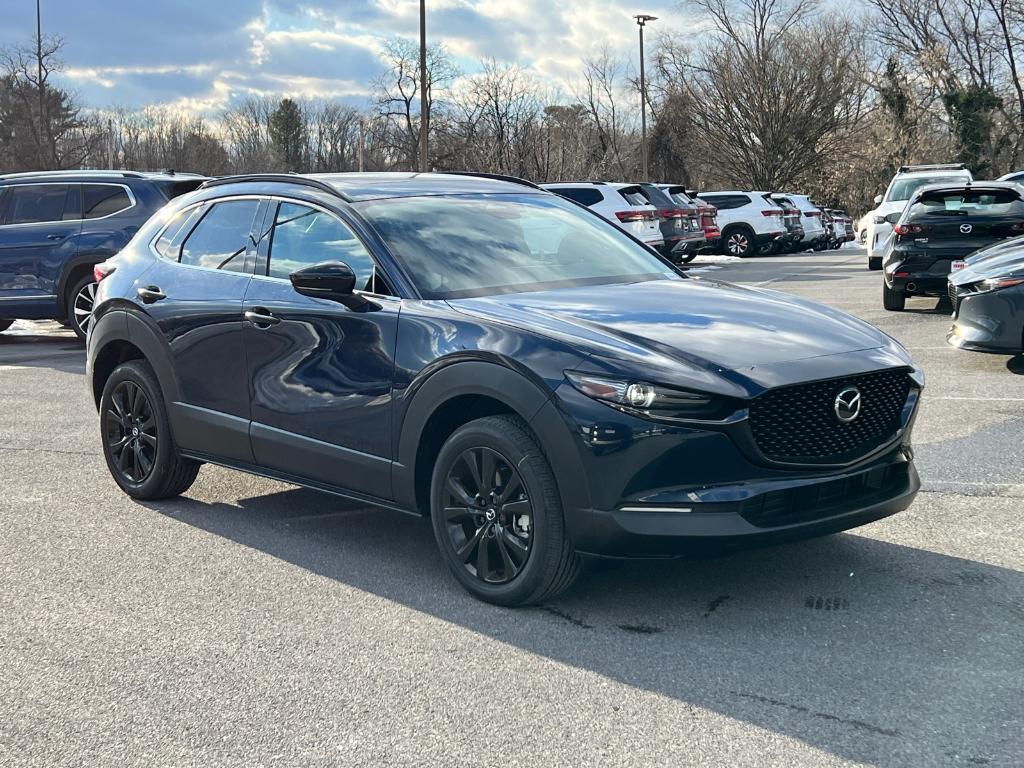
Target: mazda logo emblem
{"type": "Point", "coordinates": [847, 405]}
{"type": "Point", "coordinates": [966, 228]}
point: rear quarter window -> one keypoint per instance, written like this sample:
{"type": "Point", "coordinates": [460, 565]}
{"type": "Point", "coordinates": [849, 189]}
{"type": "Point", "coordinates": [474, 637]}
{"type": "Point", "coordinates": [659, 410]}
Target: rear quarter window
{"type": "Point", "coordinates": [968, 203]}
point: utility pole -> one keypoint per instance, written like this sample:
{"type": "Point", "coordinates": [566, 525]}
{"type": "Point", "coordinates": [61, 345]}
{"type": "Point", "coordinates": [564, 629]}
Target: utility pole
{"type": "Point", "coordinates": [642, 19]}
{"type": "Point", "coordinates": [44, 123]}
{"type": "Point", "coordinates": [362, 142]}
{"type": "Point", "coordinates": [424, 105]}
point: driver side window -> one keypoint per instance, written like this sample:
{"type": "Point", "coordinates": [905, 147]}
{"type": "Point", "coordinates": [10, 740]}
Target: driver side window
{"type": "Point", "coordinates": [304, 236]}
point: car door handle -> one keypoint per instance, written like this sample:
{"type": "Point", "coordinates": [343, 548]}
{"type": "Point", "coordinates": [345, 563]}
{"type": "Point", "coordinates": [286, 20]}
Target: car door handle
{"type": "Point", "coordinates": [55, 236]}
{"type": "Point", "coordinates": [261, 317]}
{"type": "Point", "coordinates": [150, 294]}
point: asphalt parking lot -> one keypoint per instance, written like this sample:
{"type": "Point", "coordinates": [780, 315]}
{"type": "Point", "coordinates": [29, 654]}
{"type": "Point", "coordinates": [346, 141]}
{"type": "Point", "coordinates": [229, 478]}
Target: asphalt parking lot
{"type": "Point", "coordinates": [254, 623]}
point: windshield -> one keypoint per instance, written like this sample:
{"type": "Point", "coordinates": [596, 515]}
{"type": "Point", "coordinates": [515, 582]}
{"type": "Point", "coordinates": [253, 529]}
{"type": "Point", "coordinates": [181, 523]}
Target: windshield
{"type": "Point", "coordinates": [991, 202]}
{"type": "Point", "coordinates": [477, 245]}
{"type": "Point", "coordinates": [904, 189]}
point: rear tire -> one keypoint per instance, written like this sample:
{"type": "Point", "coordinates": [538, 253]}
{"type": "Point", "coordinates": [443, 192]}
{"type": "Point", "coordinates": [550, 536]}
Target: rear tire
{"type": "Point", "coordinates": [5, 324]}
{"type": "Point", "coordinates": [738, 242]}
{"type": "Point", "coordinates": [874, 263]}
{"type": "Point", "coordinates": [497, 514]}
{"type": "Point", "coordinates": [894, 301]}
{"type": "Point", "coordinates": [79, 302]}
{"type": "Point", "coordinates": [137, 441]}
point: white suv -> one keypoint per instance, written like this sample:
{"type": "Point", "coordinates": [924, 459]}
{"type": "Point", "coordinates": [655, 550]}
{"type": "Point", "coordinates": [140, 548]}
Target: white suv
{"type": "Point", "coordinates": [625, 206]}
{"type": "Point", "coordinates": [815, 234]}
{"type": "Point", "coordinates": [902, 187]}
{"type": "Point", "coordinates": [750, 222]}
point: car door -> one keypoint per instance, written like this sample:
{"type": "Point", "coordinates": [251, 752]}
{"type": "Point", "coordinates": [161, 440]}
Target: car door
{"type": "Point", "coordinates": [320, 372]}
{"type": "Point", "coordinates": [39, 224]}
{"type": "Point", "coordinates": [194, 294]}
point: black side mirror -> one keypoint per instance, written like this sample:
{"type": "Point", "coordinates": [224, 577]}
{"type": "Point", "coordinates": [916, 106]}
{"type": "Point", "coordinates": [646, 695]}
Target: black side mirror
{"type": "Point", "coordinates": [333, 280]}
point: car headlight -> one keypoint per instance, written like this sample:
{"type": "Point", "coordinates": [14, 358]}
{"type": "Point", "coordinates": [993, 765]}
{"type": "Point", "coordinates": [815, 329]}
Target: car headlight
{"type": "Point", "coordinates": [652, 400]}
{"type": "Point", "coordinates": [995, 283]}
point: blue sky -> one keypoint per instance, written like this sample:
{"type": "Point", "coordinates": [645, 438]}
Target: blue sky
{"type": "Point", "coordinates": [200, 54]}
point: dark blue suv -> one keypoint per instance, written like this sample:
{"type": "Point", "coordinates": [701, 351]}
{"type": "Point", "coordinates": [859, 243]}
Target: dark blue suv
{"type": "Point", "coordinates": [475, 349]}
{"type": "Point", "coordinates": [55, 226]}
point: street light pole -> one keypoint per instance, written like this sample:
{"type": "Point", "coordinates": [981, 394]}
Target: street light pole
{"type": "Point", "coordinates": [424, 106]}
{"type": "Point", "coordinates": [641, 20]}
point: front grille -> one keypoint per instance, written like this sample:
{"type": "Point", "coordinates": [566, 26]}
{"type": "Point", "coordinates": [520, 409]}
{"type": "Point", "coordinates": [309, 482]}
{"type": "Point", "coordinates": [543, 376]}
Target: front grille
{"type": "Point", "coordinates": [955, 298]}
{"type": "Point", "coordinates": [820, 500]}
{"type": "Point", "coordinates": [798, 424]}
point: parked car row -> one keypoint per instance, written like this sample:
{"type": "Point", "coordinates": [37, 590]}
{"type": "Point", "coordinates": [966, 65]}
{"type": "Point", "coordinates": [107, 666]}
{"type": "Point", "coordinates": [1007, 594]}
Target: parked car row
{"type": "Point", "coordinates": [939, 232]}
{"type": "Point", "coordinates": [733, 222]}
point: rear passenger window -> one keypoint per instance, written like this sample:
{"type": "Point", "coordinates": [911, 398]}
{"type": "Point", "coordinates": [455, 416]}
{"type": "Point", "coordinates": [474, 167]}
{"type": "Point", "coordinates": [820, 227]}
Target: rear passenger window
{"type": "Point", "coordinates": [168, 244]}
{"type": "Point", "coordinates": [37, 203]}
{"type": "Point", "coordinates": [220, 240]}
{"type": "Point", "coordinates": [104, 200]}
{"type": "Point", "coordinates": [583, 195]}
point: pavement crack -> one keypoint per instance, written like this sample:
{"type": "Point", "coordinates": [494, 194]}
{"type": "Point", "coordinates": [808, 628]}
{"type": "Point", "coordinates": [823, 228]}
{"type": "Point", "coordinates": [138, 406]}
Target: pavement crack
{"type": "Point", "coordinates": [576, 622]}
{"type": "Point", "coordinates": [715, 604]}
{"type": "Point", "coordinates": [859, 724]}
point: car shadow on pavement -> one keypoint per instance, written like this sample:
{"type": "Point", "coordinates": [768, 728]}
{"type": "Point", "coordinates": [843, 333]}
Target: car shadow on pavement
{"type": "Point", "coordinates": [59, 351]}
{"type": "Point", "coordinates": [856, 646]}
{"type": "Point", "coordinates": [1016, 364]}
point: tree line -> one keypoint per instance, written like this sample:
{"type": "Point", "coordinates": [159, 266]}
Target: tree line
{"type": "Point", "coordinates": [772, 95]}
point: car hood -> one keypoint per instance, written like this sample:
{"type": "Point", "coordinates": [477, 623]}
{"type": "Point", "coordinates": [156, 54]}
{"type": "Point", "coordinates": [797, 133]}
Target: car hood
{"type": "Point", "coordinates": [997, 265]}
{"type": "Point", "coordinates": [705, 324]}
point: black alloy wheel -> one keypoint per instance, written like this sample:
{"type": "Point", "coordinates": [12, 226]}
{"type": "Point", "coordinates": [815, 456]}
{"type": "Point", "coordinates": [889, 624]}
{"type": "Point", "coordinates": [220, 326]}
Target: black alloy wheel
{"type": "Point", "coordinates": [136, 435]}
{"type": "Point", "coordinates": [488, 515]}
{"type": "Point", "coordinates": [497, 514]}
{"type": "Point", "coordinates": [130, 430]}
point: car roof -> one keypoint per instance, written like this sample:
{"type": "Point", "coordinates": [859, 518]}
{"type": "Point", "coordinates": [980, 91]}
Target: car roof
{"type": "Point", "coordinates": [973, 185]}
{"type": "Point", "coordinates": [99, 175]}
{"type": "Point", "coordinates": [370, 186]}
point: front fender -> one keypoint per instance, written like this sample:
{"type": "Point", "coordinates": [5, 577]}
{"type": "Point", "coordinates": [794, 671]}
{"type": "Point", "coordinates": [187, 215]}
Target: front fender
{"type": "Point", "coordinates": [526, 398]}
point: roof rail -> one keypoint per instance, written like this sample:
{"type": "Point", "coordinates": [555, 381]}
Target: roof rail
{"type": "Point", "coordinates": [283, 178]}
{"type": "Point", "coordinates": [933, 167]}
{"type": "Point", "coordinates": [495, 176]}
{"type": "Point", "coordinates": [78, 172]}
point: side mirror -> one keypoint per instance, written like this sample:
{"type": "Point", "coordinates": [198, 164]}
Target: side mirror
{"type": "Point", "coordinates": [328, 280]}
{"type": "Point", "coordinates": [878, 199]}
{"type": "Point", "coordinates": [892, 218]}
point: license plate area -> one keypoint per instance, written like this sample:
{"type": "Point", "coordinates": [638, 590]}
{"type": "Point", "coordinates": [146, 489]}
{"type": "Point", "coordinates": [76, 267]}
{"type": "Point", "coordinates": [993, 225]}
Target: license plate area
{"type": "Point", "coordinates": [957, 265]}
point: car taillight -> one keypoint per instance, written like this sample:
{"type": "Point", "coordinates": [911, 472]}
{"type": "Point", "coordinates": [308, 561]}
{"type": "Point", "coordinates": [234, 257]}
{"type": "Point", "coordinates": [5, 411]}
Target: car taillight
{"type": "Point", "coordinates": [814, 215]}
{"type": "Point", "coordinates": [627, 216]}
{"type": "Point", "coordinates": [772, 212]}
{"type": "Point", "coordinates": [908, 229]}
{"type": "Point", "coordinates": [672, 213]}
{"type": "Point", "coordinates": [101, 270]}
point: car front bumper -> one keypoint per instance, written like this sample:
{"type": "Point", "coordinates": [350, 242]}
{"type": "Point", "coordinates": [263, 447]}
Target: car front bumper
{"type": "Point", "coordinates": [992, 321]}
{"type": "Point", "coordinates": [657, 490]}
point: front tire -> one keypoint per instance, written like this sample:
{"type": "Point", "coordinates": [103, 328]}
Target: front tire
{"type": "Point", "coordinates": [137, 441]}
{"type": "Point", "coordinates": [497, 515]}
{"type": "Point", "coordinates": [892, 300]}
{"type": "Point", "coordinates": [80, 301]}
{"type": "Point", "coordinates": [874, 263]}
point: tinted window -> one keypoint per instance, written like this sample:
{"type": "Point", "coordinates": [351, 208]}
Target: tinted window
{"type": "Point", "coordinates": [582, 195]}
{"type": "Point", "coordinates": [991, 202]}
{"type": "Point", "coordinates": [656, 197]}
{"type": "Point", "coordinates": [634, 196]}
{"type": "Point", "coordinates": [172, 189]}
{"type": "Point", "coordinates": [726, 202]}
{"type": "Point", "coordinates": [168, 244]}
{"type": "Point", "coordinates": [478, 245]}
{"type": "Point", "coordinates": [33, 203]}
{"type": "Point", "coordinates": [103, 200]}
{"type": "Point", "coordinates": [304, 236]}
{"type": "Point", "coordinates": [219, 241]}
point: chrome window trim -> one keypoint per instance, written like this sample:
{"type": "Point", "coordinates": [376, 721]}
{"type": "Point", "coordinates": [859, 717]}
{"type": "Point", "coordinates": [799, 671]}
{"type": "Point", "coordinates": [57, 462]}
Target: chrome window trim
{"type": "Point", "coordinates": [29, 296]}
{"type": "Point", "coordinates": [81, 214]}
